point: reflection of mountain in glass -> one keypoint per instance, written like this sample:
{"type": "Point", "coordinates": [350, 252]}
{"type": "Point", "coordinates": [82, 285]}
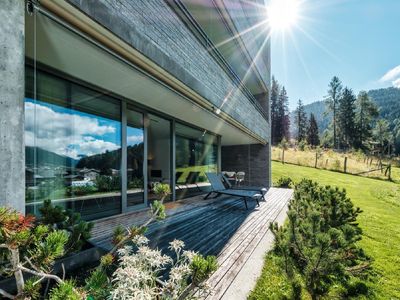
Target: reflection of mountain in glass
{"type": "Point", "coordinates": [110, 159]}
{"type": "Point", "coordinates": [43, 157]}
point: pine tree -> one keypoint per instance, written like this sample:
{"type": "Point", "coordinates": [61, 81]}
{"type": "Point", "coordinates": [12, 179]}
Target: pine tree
{"type": "Point", "coordinates": [312, 134]}
{"type": "Point", "coordinates": [366, 113]}
{"type": "Point", "coordinates": [334, 94]}
{"type": "Point", "coordinates": [283, 121]}
{"type": "Point", "coordinates": [274, 111]}
{"type": "Point", "coordinates": [301, 121]}
{"type": "Point", "coordinates": [346, 118]}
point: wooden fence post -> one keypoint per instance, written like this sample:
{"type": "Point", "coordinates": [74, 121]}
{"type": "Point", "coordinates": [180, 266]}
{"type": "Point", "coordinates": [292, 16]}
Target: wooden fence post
{"type": "Point", "coordinates": [345, 164]}
{"type": "Point", "coordinates": [316, 159]}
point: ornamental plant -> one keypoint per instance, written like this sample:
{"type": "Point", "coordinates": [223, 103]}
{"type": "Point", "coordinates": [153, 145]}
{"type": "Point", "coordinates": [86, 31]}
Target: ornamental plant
{"type": "Point", "coordinates": [132, 270]}
{"type": "Point", "coordinates": [319, 241]}
{"type": "Point", "coordinates": [29, 250]}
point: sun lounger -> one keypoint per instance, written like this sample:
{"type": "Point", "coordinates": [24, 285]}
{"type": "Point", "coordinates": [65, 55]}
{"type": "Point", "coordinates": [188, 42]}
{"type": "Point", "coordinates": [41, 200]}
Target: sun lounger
{"type": "Point", "coordinates": [218, 188]}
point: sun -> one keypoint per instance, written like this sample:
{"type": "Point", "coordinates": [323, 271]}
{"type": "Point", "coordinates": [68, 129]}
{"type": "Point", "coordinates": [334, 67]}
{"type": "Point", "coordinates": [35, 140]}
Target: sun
{"type": "Point", "coordinates": [282, 14]}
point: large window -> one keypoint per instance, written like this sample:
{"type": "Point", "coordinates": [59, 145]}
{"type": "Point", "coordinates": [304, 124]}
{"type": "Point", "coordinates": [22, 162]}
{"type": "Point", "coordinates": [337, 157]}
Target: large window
{"type": "Point", "coordinates": [135, 157]}
{"type": "Point", "coordinates": [73, 147]}
{"type": "Point", "coordinates": [159, 158]}
{"type": "Point", "coordinates": [196, 154]}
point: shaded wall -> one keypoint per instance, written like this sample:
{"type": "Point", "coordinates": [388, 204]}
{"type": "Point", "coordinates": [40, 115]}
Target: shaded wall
{"type": "Point", "coordinates": [252, 159]}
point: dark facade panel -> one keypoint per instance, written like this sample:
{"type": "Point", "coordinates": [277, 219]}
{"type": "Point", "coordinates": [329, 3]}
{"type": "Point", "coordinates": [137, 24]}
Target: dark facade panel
{"type": "Point", "coordinates": [252, 159]}
{"type": "Point", "coordinates": [152, 27]}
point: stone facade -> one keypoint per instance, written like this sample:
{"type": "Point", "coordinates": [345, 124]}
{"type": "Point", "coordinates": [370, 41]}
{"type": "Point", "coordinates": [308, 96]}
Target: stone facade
{"type": "Point", "coordinates": [154, 29]}
{"type": "Point", "coordinates": [12, 90]}
{"type": "Point", "coordinates": [252, 159]}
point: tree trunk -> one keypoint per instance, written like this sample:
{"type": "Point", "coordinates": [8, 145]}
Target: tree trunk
{"type": "Point", "coordinates": [19, 278]}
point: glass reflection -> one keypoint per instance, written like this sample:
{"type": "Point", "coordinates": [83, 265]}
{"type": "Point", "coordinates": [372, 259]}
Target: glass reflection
{"type": "Point", "coordinates": [196, 154]}
{"type": "Point", "coordinates": [135, 155]}
{"type": "Point", "coordinates": [73, 143]}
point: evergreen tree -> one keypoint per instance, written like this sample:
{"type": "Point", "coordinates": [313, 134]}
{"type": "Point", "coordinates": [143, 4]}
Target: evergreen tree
{"type": "Point", "coordinates": [366, 113]}
{"type": "Point", "coordinates": [283, 121]}
{"type": "Point", "coordinates": [346, 118]}
{"type": "Point", "coordinates": [301, 121]}
{"type": "Point", "coordinates": [334, 94]}
{"type": "Point", "coordinates": [381, 134]}
{"type": "Point", "coordinates": [312, 134]}
{"type": "Point", "coordinates": [274, 111]}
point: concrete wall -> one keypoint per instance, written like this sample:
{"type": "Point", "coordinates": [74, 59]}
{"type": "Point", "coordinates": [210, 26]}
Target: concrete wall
{"type": "Point", "coordinates": [153, 28]}
{"type": "Point", "coordinates": [252, 159]}
{"type": "Point", "coordinates": [12, 90]}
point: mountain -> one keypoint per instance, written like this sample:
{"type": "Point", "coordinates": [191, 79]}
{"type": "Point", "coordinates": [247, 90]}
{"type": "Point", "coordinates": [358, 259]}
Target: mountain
{"type": "Point", "coordinates": [387, 100]}
{"type": "Point", "coordinates": [44, 157]}
{"type": "Point", "coordinates": [318, 109]}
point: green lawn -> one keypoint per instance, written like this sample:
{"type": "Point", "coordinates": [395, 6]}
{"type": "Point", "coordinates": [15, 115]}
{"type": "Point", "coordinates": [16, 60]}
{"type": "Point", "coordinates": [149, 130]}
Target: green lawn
{"type": "Point", "coordinates": [380, 221]}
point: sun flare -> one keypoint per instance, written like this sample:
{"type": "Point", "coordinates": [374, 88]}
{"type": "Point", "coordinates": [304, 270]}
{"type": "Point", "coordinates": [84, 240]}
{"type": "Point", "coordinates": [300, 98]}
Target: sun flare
{"type": "Point", "coordinates": [282, 14]}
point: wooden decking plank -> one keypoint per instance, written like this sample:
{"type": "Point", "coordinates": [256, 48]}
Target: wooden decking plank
{"type": "Point", "coordinates": [238, 263]}
{"type": "Point", "coordinates": [239, 245]}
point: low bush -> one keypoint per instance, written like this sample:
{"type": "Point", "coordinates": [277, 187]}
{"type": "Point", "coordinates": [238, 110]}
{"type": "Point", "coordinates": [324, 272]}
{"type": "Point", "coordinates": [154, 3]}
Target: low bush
{"type": "Point", "coordinates": [319, 241]}
{"type": "Point", "coordinates": [57, 217]}
{"type": "Point", "coordinates": [284, 182]}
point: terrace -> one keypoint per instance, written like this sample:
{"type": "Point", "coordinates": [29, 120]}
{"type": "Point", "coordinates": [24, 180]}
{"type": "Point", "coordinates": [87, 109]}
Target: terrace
{"type": "Point", "coordinates": [220, 227]}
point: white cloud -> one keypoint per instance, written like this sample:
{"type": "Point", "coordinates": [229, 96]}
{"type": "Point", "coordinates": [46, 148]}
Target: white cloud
{"type": "Point", "coordinates": [134, 139]}
{"type": "Point", "coordinates": [65, 133]}
{"type": "Point", "coordinates": [392, 76]}
{"type": "Point", "coordinates": [396, 83]}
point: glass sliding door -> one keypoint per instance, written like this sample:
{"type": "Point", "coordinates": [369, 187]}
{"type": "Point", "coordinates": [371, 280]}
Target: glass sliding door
{"type": "Point", "coordinates": [159, 153]}
{"type": "Point", "coordinates": [196, 153]}
{"type": "Point", "coordinates": [73, 147]}
{"type": "Point", "coordinates": [135, 157]}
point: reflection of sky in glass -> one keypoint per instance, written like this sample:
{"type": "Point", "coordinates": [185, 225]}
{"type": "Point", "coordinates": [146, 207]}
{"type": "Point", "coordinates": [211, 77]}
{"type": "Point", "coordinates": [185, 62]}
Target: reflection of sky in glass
{"type": "Point", "coordinates": [134, 136]}
{"type": "Point", "coordinates": [68, 131]}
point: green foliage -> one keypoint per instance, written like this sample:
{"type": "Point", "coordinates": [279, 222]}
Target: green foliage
{"type": "Point", "coordinates": [312, 132]}
{"type": "Point", "coordinates": [51, 215]}
{"type": "Point", "coordinates": [302, 145]}
{"type": "Point", "coordinates": [107, 183]}
{"type": "Point", "coordinates": [63, 291]}
{"type": "Point", "coordinates": [32, 288]}
{"type": "Point", "coordinates": [57, 217]}
{"type": "Point", "coordinates": [319, 240]}
{"type": "Point", "coordinates": [284, 182]}
{"type": "Point", "coordinates": [162, 189]}
{"type": "Point", "coordinates": [202, 267]}
{"type": "Point", "coordinates": [98, 284]}
{"type": "Point", "coordinates": [158, 209]}
{"type": "Point", "coordinates": [301, 122]}
{"type": "Point", "coordinates": [118, 234]}
{"type": "Point", "coordinates": [50, 248]}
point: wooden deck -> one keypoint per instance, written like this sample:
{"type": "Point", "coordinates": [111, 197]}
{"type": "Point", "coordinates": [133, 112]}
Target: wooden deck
{"type": "Point", "coordinates": [220, 227]}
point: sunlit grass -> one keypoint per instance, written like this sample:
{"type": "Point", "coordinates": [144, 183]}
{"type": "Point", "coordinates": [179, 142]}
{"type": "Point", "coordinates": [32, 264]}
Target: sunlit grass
{"type": "Point", "coordinates": [330, 160]}
{"type": "Point", "coordinates": [380, 221]}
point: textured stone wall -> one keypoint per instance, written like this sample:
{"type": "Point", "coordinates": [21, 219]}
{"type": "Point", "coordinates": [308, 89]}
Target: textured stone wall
{"type": "Point", "coordinates": [252, 159]}
{"type": "Point", "coordinates": [12, 89]}
{"type": "Point", "coordinates": [152, 27]}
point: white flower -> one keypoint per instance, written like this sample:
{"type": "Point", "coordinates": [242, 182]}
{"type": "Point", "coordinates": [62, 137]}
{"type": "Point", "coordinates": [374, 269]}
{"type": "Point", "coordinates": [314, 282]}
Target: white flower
{"type": "Point", "coordinates": [189, 255]}
{"type": "Point", "coordinates": [176, 245]}
{"type": "Point", "coordinates": [140, 240]}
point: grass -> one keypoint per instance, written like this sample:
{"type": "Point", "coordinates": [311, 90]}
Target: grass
{"type": "Point", "coordinates": [331, 160]}
{"type": "Point", "coordinates": [380, 221]}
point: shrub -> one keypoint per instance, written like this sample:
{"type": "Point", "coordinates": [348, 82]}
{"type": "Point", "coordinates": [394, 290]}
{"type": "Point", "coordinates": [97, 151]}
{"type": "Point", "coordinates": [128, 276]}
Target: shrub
{"type": "Point", "coordinates": [319, 240]}
{"type": "Point", "coordinates": [284, 182]}
{"type": "Point", "coordinates": [57, 217]}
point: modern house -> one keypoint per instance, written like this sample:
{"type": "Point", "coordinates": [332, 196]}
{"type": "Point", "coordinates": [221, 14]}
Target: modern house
{"type": "Point", "coordinates": [117, 95]}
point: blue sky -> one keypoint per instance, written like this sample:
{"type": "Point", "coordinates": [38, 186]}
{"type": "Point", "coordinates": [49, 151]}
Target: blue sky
{"type": "Point", "coordinates": [357, 40]}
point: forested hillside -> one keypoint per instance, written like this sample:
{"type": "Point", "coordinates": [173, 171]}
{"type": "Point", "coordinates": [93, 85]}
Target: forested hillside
{"type": "Point", "coordinates": [387, 100]}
